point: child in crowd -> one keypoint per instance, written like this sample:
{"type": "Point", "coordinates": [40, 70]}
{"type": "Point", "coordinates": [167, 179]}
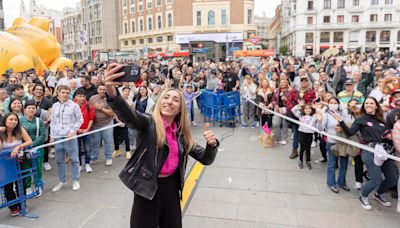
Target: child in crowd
{"type": "Point", "coordinates": [189, 96]}
{"type": "Point", "coordinates": [305, 113]}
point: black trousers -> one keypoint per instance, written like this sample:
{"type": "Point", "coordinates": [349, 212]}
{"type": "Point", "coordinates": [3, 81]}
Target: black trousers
{"type": "Point", "coordinates": [266, 118]}
{"type": "Point", "coordinates": [11, 194]}
{"type": "Point", "coordinates": [305, 140]}
{"type": "Point", "coordinates": [322, 146]}
{"type": "Point", "coordinates": [164, 211]}
{"type": "Point", "coordinates": [121, 134]}
{"type": "Point", "coordinates": [359, 168]}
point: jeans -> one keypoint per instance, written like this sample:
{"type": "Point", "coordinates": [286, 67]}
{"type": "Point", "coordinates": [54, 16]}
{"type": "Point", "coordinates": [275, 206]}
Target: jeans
{"type": "Point", "coordinates": [107, 137]}
{"type": "Point", "coordinates": [331, 168]}
{"type": "Point", "coordinates": [248, 113]}
{"type": "Point", "coordinates": [295, 131]}
{"type": "Point", "coordinates": [62, 149]}
{"type": "Point", "coordinates": [280, 128]}
{"type": "Point", "coordinates": [85, 142]}
{"type": "Point", "coordinates": [375, 174]}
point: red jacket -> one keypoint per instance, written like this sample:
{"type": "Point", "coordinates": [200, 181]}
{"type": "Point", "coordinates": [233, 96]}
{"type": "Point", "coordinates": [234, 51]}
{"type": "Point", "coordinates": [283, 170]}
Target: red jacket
{"type": "Point", "coordinates": [88, 114]}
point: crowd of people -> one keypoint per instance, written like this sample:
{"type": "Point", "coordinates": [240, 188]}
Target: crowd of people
{"type": "Point", "coordinates": [355, 96]}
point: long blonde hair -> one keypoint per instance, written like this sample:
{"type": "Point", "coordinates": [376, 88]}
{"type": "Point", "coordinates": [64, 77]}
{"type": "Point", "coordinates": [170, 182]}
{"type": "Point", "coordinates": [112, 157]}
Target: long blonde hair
{"type": "Point", "coordinates": [180, 119]}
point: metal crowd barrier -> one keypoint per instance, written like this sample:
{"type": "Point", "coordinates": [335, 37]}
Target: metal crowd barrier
{"type": "Point", "coordinates": [12, 172]}
{"type": "Point", "coordinates": [219, 107]}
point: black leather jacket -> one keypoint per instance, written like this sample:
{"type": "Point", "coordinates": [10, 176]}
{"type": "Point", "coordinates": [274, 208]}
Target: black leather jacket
{"type": "Point", "coordinates": [141, 172]}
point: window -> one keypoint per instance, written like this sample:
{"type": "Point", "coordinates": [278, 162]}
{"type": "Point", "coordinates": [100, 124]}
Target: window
{"type": "Point", "coordinates": [249, 16]}
{"type": "Point", "coordinates": [169, 1]}
{"type": "Point", "coordinates": [309, 37]}
{"type": "Point", "coordinates": [310, 5]}
{"type": "Point", "coordinates": [355, 19]}
{"type": "Point", "coordinates": [327, 4]}
{"type": "Point", "coordinates": [211, 17]}
{"type": "Point", "coordinates": [370, 36]}
{"type": "Point", "coordinates": [125, 12]}
{"type": "Point", "coordinates": [133, 42]}
{"type": "Point", "coordinates": [388, 17]}
{"type": "Point", "coordinates": [327, 19]}
{"type": "Point", "coordinates": [159, 22]}
{"type": "Point", "coordinates": [170, 38]}
{"type": "Point", "coordinates": [388, 2]}
{"type": "Point", "coordinates": [125, 28]}
{"type": "Point", "coordinates": [124, 2]}
{"type": "Point", "coordinates": [340, 19]}
{"type": "Point", "coordinates": [141, 25]}
{"type": "Point", "coordinates": [309, 20]}
{"type": "Point", "coordinates": [356, 2]}
{"type": "Point", "coordinates": [325, 37]}
{"type": "Point", "coordinates": [126, 43]}
{"type": "Point", "coordinates": [338, 37]}
{"type": "Point", "coordinates": [132, 9]}
{"type": "Point", "coordinates": [374, 2]}
{"type": "Point", "coordinates": [132, 2]}
{"type": "Point", "coordinates": [198, 18]}
{"type": "Point", "coordinates": [140, 8]}
{"type": "Point", "coordinates": [385, 37]}
{"type": "Point", "coordinates": [373, 18]}
{"type": "Point", "coordinates": [169, 20]}
{"type": "Point", "coordinates": [150, 24]}
{"type": "Point", "coordinates": [158, 2]}
{"type": "Point", "coordinates": [159, 39]}
{"type": "Point", "coordinates": [141, 41]}
{"type": "Point", "coordinates": [224, 20]}
{"type": "Point", "coordinates": [149, 4]}
{"type": "Point", "coordinates": [398, 36]}
{"type": "Point", "coordinates": [340, 4]}
{"type": "Point", "coordinates": [132, 26]}
{"type": "Point", "coordinates": [150, 40]}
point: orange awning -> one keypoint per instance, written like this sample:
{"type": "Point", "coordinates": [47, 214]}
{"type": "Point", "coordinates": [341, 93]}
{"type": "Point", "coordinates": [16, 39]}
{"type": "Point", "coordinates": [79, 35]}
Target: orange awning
{"type": "Point", "coordinates": [254, 53]}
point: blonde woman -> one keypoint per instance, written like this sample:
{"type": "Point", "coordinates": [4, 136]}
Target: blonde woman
{"type": "Point", "coordinates": [156, 171]}
{"type": "Point", "coordinates": [264, 96]}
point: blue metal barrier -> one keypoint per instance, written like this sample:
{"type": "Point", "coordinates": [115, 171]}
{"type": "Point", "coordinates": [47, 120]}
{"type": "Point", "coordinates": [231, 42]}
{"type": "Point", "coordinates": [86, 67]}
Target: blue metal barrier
{"type": "Point", "coordinates": [11, 171]}
{"type": "Point", "coordinates": [220, 107]}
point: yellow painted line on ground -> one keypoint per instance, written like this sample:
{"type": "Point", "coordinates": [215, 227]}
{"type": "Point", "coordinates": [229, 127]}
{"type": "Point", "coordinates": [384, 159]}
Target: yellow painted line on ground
{"type": "Point", "coordinates": [190, 184]}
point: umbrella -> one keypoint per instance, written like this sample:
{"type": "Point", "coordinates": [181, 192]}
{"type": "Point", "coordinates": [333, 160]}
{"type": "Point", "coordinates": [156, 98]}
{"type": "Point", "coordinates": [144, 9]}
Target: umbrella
{"type": "Point", "coordinates": [331, 52]}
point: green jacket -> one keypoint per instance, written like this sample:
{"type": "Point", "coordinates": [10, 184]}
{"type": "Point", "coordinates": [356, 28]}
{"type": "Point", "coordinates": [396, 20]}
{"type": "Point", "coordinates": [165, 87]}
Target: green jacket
{"type": "Point", "coordinates": [31, 128]}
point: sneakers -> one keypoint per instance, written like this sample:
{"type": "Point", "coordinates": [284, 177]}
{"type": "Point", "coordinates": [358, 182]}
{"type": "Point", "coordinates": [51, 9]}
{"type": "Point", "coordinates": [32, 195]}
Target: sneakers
{"type": "Point", "coordinates": [244, 126]}
{"type": "Point", "coordinates": [116, 153]}
{"type": "Point", "coordinates": [357, 185]}
{"type": "Point", "coordinates": [88, 168]}
{"type": "Point", "coordinates": [308, 163]}
{"type": "Point", "coordinates": [283, 142]}
{"type": "Point", "coordinates": [194, 124]}
{"type": "Point", "coordinates": [58, 187]}
{"type": "Point", "coordinates": [46, 166]}
{"type": "Point", "coordinates": [76, 186]}
{"type": "Point", "coordinates": [294, 154]}
{"type": "Point", "coordinates": [313, 144]}
{"type": "Point", "coordinates": [364, 203]}
{"type": "Point", "coordinates": [346, 188]}
{"type": "Point", "coordinates": [321, 160]}
{"type": "Point", "coordinates": [301, 165]}
{"type": "Point", "coordinates": [334, 189]}
{"type": "Point", "coordinates": [108, 162]}
{"type": "Point", "coordinates": [40, 193]}
{"type": "Point", "coordinates": [381, 199]}
{"type": "Point", "coordinates": [28, 191]}
{"type": "Point", "coordinates": [14, 212]}
{"type": "Point", "coordinates": [128, 155]}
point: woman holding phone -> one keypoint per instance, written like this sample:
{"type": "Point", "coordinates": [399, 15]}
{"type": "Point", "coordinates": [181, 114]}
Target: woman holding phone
{"type": "Point", "coordinates": [156, 171]}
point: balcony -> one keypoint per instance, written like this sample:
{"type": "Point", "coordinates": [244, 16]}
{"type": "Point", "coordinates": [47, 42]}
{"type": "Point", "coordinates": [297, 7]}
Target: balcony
{"type": "Point", "coordinates": [355, 9]}
{"type": "Point", "coordinates": [310, 11]}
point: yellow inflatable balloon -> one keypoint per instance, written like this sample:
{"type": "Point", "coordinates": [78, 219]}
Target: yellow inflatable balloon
{"type": "Point", "coordinates": [28, 44]}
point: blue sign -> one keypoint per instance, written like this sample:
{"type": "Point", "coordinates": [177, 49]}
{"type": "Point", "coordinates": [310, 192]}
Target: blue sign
{"type": "Point", "coordinates": [200, 50]}
{"type": "Point", "coordinates": [235, 48]}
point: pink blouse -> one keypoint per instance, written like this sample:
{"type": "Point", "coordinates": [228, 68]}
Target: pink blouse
{"type": "Point", "coordinates": [172, 161]}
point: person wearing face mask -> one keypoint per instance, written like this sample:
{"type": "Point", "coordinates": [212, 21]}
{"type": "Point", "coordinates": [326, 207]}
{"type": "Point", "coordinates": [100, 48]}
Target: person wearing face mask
{"type": "Point", "coordinates": [372, 129]}
{"type": "Point", "coordinates": [327, 122]}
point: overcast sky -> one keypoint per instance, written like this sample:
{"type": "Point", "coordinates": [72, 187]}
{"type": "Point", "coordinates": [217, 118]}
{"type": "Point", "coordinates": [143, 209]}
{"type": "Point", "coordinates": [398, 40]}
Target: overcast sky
{"type": "Point", "coordinates": [11, 7]}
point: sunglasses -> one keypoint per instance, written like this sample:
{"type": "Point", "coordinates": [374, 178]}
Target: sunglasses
{"type": "Point", "coordinates": [304, 80]}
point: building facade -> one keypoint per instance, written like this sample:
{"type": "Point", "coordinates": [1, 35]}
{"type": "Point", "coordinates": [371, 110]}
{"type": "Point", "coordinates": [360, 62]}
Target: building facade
{"type": "Point", "coordinates": [263, 24]}
{"type": "Point", "coordinates": [275, 30]}
{"type": "Point", "coordinates": [1, 16]}
{"type": "Point", "coordinates": [100, 26]}
{"type": "Point", "coordinates": [171, 25]}
{"type": "Point", "coordinates": [313, 26]}
{"type": "Point", "coordinates": [74, 36]}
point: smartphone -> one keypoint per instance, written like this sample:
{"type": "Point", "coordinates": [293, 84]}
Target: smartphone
{"type": "Point", "coordinates": [132, 73]}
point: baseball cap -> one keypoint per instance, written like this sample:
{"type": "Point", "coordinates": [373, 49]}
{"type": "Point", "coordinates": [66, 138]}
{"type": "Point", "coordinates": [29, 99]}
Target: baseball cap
{"type": "Point", "coordinates": [395, 91]}
{"type": "Point", "coordinates": [349, 82]}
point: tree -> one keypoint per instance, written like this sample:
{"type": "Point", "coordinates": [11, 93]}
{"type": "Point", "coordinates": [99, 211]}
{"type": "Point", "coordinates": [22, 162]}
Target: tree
{"type": "Point", "coordinates": [283, 50]}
